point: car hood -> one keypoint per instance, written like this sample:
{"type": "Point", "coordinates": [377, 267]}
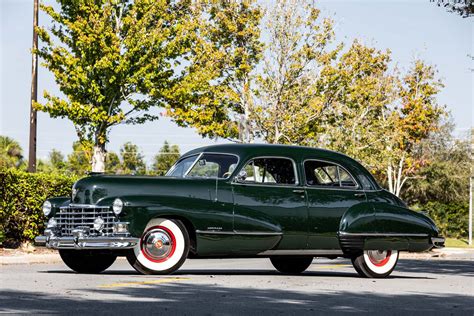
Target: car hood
{"type": "Point", "coordinates": [93, 189]}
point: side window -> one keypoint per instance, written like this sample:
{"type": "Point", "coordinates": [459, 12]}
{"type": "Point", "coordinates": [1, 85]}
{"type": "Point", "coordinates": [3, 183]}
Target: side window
{"type": "Point", "coordinates": [326, 174]}
{"type": "Point", "coordinates": [269, 171]}
{"type": "Point", "coordinates": [213, 166]}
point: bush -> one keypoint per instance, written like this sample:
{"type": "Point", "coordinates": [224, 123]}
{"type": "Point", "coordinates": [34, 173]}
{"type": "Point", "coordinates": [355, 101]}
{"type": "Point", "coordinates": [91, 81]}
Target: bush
{"type": "Point", "coordinates": [21, 198]}
{"type": "Point", "coordinates": [451, 218]}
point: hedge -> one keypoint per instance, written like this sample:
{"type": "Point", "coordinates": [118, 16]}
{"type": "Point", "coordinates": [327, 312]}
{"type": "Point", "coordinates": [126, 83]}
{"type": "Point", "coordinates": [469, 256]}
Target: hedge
{"type": "Point", "coordinates": [452, 218]}
{"type": "Point", "coordinates": [21, 198]}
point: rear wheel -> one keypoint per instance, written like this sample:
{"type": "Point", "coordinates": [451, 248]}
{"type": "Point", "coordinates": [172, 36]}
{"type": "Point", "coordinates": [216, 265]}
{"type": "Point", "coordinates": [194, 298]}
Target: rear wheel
{"type": "Point", "coordinates": [375, 263]}
{"type": "Point", "coordinates": [163, 247]}
{"type": "Point", "coordinates": [86, 261]}
{"type": "Point", "coordinates": [291, 265]}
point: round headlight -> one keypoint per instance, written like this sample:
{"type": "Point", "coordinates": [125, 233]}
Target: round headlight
{"type": "Point", "coordinates": [117, 206]}
{"type": "Point", "coordinates": [98, 223]}
{"type": "Point", "coordinates": [47, 208]}
{"type": "Point", "coordinates": [52, 223]}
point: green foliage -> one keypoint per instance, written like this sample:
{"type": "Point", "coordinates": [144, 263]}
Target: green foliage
{"type": "Point", "coordinates": [114, 60]}
{"type": "Point", "coordinates": [286, 98]}
{"type": "Point", "coordinates": [451, 218]}
{"type": "Point", "coordinates": [54, 164]}
{"type": "Point", "coordinates": [441, 185]}
{"type": "Point", "coordinates": [166, 157]}
{"type": "Point", "coordinates": [230, 33]}
{"type": "Point", "coordinates": [78, 161]}
{"type": "Point", "coordinates": [21, 198]}
{"type": "Point", "coordinates": [112, 163]}
{"type": "Point", "coordinates": [11, 153]}
{"type": "Point", "coordinates": [132, 160]}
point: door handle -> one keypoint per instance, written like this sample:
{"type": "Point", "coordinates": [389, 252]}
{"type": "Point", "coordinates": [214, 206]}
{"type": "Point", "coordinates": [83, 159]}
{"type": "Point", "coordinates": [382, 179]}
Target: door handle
{"type": "Point", "coordinates": [298, 191]}
{"type": "Point", "coordinates": [359, 195]}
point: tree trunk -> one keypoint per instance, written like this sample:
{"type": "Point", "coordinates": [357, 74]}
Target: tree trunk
{"type": "Point", "coordinates": [98, 158]}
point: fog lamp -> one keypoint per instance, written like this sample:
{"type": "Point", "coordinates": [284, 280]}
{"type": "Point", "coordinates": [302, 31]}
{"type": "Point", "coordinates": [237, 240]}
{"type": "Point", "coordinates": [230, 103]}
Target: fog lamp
{"type": "Point", "coordinates": [120, 228]}
{"type": "Point", "coordinates": [98, 223]}
{"type": "Point", "coordinates": [52, 223]}
{"type": "Point", "coordinates": [47, 208]}
{"type": "Point", "coordinates": [117, 206]}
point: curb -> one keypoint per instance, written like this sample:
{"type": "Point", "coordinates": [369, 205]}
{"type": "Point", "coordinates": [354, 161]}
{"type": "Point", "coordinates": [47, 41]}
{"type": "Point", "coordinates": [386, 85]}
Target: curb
{"type": "Point", "coordinates": [30, 259]}
{"type": "Point", "coordinates": [436, 254]}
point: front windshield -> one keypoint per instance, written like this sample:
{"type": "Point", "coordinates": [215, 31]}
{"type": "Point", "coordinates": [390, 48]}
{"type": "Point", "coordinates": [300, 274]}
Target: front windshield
{"type": "Point", "coordinates": [208, 166]}
{"type": "Point", "coordinates": [213, 166]}
{"type": "Point", "coordinates": [180, 168]}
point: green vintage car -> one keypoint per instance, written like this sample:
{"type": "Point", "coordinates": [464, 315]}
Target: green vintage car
{"type": "Point", "coordinates": [286, 203]}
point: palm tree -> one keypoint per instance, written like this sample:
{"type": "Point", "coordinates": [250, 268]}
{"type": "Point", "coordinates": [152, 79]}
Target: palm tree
{"type": "Point", "coordinates": [10, 153]}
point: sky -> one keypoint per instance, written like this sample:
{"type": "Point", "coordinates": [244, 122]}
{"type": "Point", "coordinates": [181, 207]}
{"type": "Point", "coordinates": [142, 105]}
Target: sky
{"type": "Point", "coordinates": [409, 28]}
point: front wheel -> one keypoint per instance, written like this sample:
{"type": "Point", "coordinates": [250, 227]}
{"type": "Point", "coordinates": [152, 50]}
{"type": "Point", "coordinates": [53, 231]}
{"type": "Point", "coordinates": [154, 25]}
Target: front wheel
{"type": "Point", "coordinates": [291, 265]}
{"type": "Point", "coordinates": [375, 263]}
{"type": "Point", "coordinates": [86, 261]}
{"type": "Point", "coordinates": [163, 247]}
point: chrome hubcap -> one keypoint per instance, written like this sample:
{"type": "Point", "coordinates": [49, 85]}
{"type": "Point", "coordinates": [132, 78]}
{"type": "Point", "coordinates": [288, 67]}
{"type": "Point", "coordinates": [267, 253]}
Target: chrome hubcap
{"type": "Point", "coordinates": [379, 257]}
{"type": "Point", "coordinates": [157, 244]}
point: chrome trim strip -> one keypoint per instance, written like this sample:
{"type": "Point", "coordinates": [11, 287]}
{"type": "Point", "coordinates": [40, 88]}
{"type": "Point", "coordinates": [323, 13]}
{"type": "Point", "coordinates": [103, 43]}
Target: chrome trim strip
{"type": "Point", "coordinates": [315, 252]}
{"type": "Point", "coordinates": [382, 234]}
{"type": "Point", "coordinates": [295, 170]}
{"type": "Point", "coordinates": [82, 206]}
{"type": "Point", "coordinates": [213, 232]}
{"type": "Point", "coordinates": [87, 242]}
{"type": "Point", "coordinates": [216, 232]}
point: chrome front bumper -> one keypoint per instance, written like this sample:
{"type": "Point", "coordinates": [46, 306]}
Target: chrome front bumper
{"type": "Point", "coordinates": [86, 242]}
{"type": "Point", "coordinates": [438, 242]}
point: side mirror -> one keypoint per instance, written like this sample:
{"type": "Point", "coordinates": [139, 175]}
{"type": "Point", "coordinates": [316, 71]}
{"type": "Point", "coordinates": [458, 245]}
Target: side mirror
{"type": "Point", "coordinates": [241, 176]}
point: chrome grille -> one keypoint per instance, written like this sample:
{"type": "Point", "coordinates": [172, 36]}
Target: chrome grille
{"type": "Point", "coordinates": [72, 217]}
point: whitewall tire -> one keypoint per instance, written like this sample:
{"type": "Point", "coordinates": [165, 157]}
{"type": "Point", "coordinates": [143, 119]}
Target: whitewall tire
{"type": "Point", "coordinates": [375, 263]}
{"type": "Point", "coordinates": [163, 247]}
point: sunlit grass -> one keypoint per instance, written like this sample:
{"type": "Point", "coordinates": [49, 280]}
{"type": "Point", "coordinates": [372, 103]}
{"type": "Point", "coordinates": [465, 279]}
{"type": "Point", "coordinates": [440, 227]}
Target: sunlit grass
{"type": "Point", "coordinates": [458, 243]}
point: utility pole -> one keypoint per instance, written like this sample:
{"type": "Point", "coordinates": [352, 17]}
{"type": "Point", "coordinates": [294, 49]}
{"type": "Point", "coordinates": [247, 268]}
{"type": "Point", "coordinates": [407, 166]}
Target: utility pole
{"type": "Point", "coordinates": [471, 175]}
{"type": "Point", "coordinates": [34, 93]}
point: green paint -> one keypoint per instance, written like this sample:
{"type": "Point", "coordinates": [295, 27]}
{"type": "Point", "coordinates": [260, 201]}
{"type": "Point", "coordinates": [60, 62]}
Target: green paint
{"type": "Point", "coordinates": [235, 219]}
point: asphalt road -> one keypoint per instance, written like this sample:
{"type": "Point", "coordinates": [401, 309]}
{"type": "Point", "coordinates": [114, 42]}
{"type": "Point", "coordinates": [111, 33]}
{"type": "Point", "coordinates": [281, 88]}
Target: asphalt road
{"type": "Point", "coordinates": [241, 286]}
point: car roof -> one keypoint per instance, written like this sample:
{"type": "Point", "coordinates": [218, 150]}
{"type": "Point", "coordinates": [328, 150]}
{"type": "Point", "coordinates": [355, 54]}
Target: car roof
{"type": "Point", "coordinates": [298, 153]}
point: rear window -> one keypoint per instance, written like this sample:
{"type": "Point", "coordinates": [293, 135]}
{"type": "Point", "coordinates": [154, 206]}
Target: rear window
{"type": "Point", "coordinates": [326, 174]}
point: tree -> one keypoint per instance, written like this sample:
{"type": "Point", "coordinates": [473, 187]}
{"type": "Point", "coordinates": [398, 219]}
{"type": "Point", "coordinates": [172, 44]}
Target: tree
{"type": "Point", "coordinates": [297, 48]}
{"type": "Point", "coordinates": [112, 163]}
{"type": "Point", "coordinates": [464, 8]}
{"type": "Point", "coordinates": [78, 162]}
{"type": "Point", "coordinates": [441, 187]}
{"type": "Point", "coordinates": [233, 28]}
{"type": "Point", "coordinates": [54, 164]}
{"type": "Point", "coordinates": [56, 158]}
{"type": "Point", "coordinates": [11, 153]}
{"type": "Point", "coordinates": [166, 157]}
{"type": "Point", "coordinates": [132, 159]}
{"type": "Point", "coordinates": [114, 60]}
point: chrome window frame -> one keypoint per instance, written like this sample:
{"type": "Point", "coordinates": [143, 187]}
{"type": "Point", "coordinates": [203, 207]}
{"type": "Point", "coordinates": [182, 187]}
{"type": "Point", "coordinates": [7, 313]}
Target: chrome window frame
{"type": "Point", "coordinates": [316, 186]}
{"type": "Point", "coordinates": [295, 170]}
{"type": "Point", "coordinates": [210, 153]}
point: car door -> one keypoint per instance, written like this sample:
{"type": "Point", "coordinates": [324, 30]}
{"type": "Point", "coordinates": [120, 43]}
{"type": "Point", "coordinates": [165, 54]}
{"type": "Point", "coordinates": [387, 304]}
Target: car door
{"type": "Point", "coordinates": [269, 206]}
{"type": "Point", "coordinates": [331, 191]}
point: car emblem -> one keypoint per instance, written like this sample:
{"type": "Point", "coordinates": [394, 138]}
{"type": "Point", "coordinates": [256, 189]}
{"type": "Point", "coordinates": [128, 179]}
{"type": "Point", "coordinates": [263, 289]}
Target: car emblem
{"type": "Point", "coordinates": [74, 193]}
